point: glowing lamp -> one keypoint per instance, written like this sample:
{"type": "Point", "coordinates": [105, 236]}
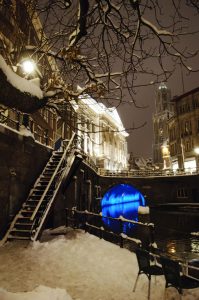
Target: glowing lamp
{"type": "Point", "coordinates": [196, 150]}
{"type": "Point", "coordinates": [28, 66]}
{"type": "Point", "coordinates": [165, 151]}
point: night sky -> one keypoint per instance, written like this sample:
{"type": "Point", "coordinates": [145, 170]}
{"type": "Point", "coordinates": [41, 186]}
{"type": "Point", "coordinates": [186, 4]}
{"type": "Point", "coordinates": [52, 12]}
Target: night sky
{"type": "Point", "coordinates": [140, 140]}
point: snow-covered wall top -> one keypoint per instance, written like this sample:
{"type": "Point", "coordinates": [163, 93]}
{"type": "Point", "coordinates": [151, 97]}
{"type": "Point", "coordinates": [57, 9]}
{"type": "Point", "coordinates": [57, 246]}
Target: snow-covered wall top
{"type": "Point", "coordinates": [22, 84]}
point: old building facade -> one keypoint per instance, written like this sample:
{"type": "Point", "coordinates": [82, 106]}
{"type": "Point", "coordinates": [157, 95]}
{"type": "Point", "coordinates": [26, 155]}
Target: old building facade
{"type": "Point", "coordinates": [183, 130]}
{"type": "Point", "coordinates": [19, 37]}
{"type": "Point", "coordinates": [100, 132]}
{"type": "Point", "coordinates": [28, 140]}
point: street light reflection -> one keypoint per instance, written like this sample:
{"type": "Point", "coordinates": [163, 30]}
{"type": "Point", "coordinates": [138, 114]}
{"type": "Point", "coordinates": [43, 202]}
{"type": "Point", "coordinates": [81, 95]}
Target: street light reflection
{"type": "Point", "coordinates": [171, 247]}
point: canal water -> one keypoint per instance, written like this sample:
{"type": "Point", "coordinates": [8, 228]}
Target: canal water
{"type": "Point", "coordinates": [181, 246]}
{"type": "Point", "coordinates": [124, 200]}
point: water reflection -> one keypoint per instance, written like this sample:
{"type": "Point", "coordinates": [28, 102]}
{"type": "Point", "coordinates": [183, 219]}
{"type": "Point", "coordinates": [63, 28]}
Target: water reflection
{"type": "Point", "coordinates": [121, 200]}
{"type": "Point", "coordinates": [185, 248]}
{"type": "Point", "coordinates": [171, 247]}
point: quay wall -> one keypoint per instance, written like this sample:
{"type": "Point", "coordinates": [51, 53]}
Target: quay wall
{"type": "Point", "coordinates": [87, 188]}
{"type": "Point", "coordinates": [21, 161]}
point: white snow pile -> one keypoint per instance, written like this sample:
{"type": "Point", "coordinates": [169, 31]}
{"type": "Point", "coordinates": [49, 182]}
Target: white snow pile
{"type": "Point", "coordinates": [75, 265]}
{"type": "Point", "coordinates": [195, 233]}
{"type": "Point", "coordinates": [25, 131]}
{"type": "Point", "coordinates": [20, 83]}
{"type": "Point", "coordinates": [143, 210]}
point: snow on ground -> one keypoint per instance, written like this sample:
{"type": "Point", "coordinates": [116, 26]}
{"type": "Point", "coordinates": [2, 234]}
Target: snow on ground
{"type": "Point", "coordinates": [75, 265]}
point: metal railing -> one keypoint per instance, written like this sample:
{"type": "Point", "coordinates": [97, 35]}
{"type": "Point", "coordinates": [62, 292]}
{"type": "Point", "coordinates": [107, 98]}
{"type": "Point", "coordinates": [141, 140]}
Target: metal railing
{"type": "Point", "coordinates": [94, 224]}
{"type": "Point", "coordinates": [15, 123]}
{"type": "Point", "coordinates": [56, 176]}
{"type": "Point", "coordinates": [148, 173]}
{"type": "Point", "coordinates": [52, 178]}
{"type": "Point", "coordinates": [88, 161]}
{"type": "Point", "coordinates": [141, 233]}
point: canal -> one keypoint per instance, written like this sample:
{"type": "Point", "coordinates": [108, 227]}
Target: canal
{"type": "Point", "coordinates": [173, 223]}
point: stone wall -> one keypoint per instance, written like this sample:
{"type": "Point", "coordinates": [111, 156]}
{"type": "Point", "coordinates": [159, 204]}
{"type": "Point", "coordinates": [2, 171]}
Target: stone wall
{"type": "Point", "coordinates": [158, 190]}
{"type": "Point", "coordinates": [87, 188]}
{"type": "Point", "coordinates": [21, 161]}
{"type": "Point", "coordinates": [81, 192]}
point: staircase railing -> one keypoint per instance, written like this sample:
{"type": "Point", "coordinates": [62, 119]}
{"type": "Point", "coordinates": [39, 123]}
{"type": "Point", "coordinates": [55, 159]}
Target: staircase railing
{"type": "Point", "coordinates": [36, 230]}
{"type": "Point", "coordinates": [52, 178]}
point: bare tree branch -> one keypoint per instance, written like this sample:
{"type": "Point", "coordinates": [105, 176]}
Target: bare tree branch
{"type": "Point", "coordinates": [109, 48]}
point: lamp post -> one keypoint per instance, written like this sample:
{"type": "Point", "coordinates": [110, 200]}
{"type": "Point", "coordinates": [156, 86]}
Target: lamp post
{"type": "Point", "coordinates": [29, 68]}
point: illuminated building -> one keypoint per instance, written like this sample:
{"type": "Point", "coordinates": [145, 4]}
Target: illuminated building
{"type": "Point", "coordinates": [163, 111]}
{"type": "Point", "coordinates": [19, 36]}
{"type": "Point", "coordinates": [183, 130]}
{"type": "Point", "coordinates": [101, 134]}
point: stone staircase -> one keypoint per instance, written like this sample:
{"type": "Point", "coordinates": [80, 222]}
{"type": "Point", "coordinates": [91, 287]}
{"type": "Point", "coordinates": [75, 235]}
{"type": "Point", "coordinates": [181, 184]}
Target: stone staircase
{"type": "Point", "coordinates": [28, 223]}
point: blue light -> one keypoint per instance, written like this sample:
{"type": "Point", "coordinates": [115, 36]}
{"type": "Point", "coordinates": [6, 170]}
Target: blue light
{"type": "Point", "coordinates": [121, 200]}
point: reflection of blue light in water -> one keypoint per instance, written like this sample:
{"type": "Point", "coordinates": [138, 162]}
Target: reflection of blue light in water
{"type": "Point", "coordinates": [121, 200]}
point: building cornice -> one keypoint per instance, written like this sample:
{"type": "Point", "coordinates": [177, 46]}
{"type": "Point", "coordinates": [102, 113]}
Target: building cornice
{"type": "Point", "coordinates": [193, 91]}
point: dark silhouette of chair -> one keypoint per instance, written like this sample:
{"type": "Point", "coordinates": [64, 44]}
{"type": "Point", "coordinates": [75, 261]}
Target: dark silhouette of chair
{"type": "Point", "coordinates": [145, 267]}
{"type": "Point", "coordinates": [174, 278]}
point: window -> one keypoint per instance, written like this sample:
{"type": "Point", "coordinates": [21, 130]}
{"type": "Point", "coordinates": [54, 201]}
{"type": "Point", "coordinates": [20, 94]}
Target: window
{"type": "Point", "coordinates": [186, 128]}
{"type": "Point", "coordinates": [172, 134]}
{"type": "Point", "coordinates": [173, 149]}
{"type": "Point", "coordinates": [182, 193]}
{"type": "Point", "coordinates": [187, 146]}
{"type": "Point", "coordinates": [195, 102]}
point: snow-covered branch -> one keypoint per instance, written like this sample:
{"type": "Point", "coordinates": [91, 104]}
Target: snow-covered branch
{"type": "Point", "coordinates": [20, 93]}
{"type": "Point", "coordinates": [109, 48]}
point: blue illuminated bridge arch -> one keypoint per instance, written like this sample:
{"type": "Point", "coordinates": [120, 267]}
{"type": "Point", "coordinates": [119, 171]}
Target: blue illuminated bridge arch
{"type": "Point", "coordinates": [121, 200]}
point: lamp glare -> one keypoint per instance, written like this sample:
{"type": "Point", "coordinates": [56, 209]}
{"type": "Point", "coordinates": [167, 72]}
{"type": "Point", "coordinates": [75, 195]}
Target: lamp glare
{"type": "Point", "coordinates": [196, 150]}
{"type": "Point", "coordinates": [28, 66]}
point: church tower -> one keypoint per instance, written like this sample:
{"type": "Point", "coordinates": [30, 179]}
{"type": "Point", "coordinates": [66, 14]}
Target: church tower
{"type": "Point", "coordinates": [163, 111]}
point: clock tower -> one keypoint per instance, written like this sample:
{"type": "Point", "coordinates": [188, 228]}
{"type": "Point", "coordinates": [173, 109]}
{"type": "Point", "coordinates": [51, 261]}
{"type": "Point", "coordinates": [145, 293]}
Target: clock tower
{"type": "Point", "coordinates": [163, 111]}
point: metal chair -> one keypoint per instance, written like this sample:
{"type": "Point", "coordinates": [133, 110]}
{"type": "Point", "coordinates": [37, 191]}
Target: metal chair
{"type": "Point", "coordinates": [145, 267]}
{"type": "Point", "coordinates": [174, 278]}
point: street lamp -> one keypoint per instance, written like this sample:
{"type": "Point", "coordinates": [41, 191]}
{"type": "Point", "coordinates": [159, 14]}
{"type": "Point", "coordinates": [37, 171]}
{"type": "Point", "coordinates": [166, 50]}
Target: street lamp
{"type": "Point", "coordinates": [28, 66]}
